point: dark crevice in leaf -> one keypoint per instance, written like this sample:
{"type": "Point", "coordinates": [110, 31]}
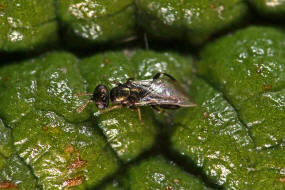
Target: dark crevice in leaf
{"type": "Point", "coordinates": [5, 123]}
{"type": "Point", "coordinates": [231, 104]}
{"type": "Point", "coordinates": [184, 163]}
{"type": "Point", "coordinates": [238, 115]}
{"type": "Point", "coordinates": [161, 147]}
{"type": "Point", "coordinates": [23, 161]}
{"type": "Point", "coordinates": [38, 109]}
{"type": "Point", "coordinates": [147, 154]}
{"type": "Point", "coordinates": [100, 131]}
{"type": "Point", "coordinates": [46, 153]}
{"type": "Point", "coordinates": [155, 150]}
{"type": "Point", "coordinates": [31, 171]}
{"type": "Point", "coordinates": [11, 136]}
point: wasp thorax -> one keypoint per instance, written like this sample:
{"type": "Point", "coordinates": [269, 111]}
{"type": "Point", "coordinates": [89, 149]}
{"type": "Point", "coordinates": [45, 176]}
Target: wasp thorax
{"type": "Point", "coordinates": [119, 94]}
{"type": "Point", "coordinates": [101, 96]}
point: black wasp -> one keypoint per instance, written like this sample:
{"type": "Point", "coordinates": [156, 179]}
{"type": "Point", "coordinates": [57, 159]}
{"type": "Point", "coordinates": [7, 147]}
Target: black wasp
{"type": "Point", "coordinates": [155, 92]}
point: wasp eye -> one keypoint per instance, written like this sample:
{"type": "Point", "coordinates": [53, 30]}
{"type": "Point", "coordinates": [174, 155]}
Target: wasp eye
{"type": "Point", "coordinates": [101, 96]}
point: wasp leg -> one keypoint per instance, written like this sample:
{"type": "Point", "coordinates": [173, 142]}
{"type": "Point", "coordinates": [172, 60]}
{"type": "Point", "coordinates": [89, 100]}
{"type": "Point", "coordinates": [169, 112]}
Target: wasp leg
{"type": "Point", "coordinates": [157, 109]}
{"type": "Point", "coordinates": [111, 108]}
{"type": "Point", "coordinates": [139, 114]}
{"type": "Point", "coordinates": [157, 75]}
{"type": "Point", "coordinates": [81, 108]}
{"type": "Point", "coordinates": [161, 111]}
{"type": "Point", "coordinates": [83, 94]}
{"type": "Point", "coordinates": [138, 110]}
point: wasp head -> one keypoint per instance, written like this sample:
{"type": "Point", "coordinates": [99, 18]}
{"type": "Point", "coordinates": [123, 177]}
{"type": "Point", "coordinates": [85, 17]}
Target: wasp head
{"type": "Point", "coordinates": [101, 96]}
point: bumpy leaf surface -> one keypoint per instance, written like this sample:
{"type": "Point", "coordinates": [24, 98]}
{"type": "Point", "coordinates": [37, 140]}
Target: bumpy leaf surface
{"type": "Point", "coordinates": [96, 21]}
{"type": "Point", "coordinates": [158, 173]}
{"type": "Point", "coordinates": [194, 20]}
{"type": "Point", "coordinates": [252, 76]}
{"type": "Point", "coordinates": [27, 25]}
{"type": "Point", "coordinates": [267, 8]}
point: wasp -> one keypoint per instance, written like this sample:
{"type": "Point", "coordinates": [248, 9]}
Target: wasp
{"type": "Point", "coordinates": [157, 92]}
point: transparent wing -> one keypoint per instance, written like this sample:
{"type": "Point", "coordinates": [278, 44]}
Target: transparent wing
{"type": "Point", "coordinates": [162, 92]}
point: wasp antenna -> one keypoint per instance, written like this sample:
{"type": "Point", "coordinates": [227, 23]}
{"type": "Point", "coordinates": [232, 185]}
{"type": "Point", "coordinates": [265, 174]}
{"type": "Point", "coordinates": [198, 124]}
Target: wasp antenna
{"type": "Point", "coordinates": [81, 108]}
{"type": "Point", "coordinates": [139, 114]}
{"type": "Point", "coordinates": [111, 108]}
{"type": "Point", "coordinates": [83, 94]}
{"type": "Point", "coordinates": [157, 75]}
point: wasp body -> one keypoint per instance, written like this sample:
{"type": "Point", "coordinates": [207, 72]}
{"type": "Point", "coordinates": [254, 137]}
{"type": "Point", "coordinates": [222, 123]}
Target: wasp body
{"type": "Point", "coordinates": [155, 92]}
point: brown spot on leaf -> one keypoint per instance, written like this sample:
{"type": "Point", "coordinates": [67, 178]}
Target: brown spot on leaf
{"type": "Point", "coordinates": [282, 180]}
{"type": "Point", "coordinates": [73, 181]}
{"type": "Point", "coordinates": [206, 115]}
{"type": "Point", "coordinates": [69, 149]}
{"type": "Point", "coordinates": [267, 87]}
{"type": "Point", "coordinates": [7, 185]}
{"type": "Point", "coordinates": [1, 8]}
{"type": "Point", "coordinates": [78, 163]}
{"type": "Point", "coordinates": [106, 61]}
{"type": "Point", "coordinates": [212, 6]}
{"type": "Point", "coordinates": [5, 79]}
{"type": "Point", "coordinates": [45, 128]}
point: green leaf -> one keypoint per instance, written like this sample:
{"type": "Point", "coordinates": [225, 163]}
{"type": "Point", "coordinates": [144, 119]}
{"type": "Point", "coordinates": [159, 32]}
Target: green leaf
{"type": "Point", "coordinates": [194, 20]}
{"type": "Point", "coordinates": [48, 133]}
{"type": "Point", "coordinates": [270, 8]}
{"type": "Point", "coordinates": [6, 140]}
{"type": "Point", "coordinates": [45, 83]}
{"type": "Point", "coordinates": [65, 153]}
{"type": "Point", "coordinates": [26, 25]}
{"type": "Point", "coordinates": [158, 173]}
{"type": "Point", "coordinates": [251, 75]}
{"type": "Point", "coordinates": [113, 185]}
{"type": "Point", "coordinates": [59, 80]}
{"type": "Point", "coordinates": [126, 134]}
{"type": "Point", "coordinates": [96, 21]}
{"type": "Point", "coordinates": [212, 136]}
{"type": "Point", "coordinates": [61, 146]}
{"type": "Point", "coordinates": [14, 173]}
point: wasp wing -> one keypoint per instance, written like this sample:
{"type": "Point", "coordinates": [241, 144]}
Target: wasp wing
{"type": "Point", "coordinates": [162, 92]}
